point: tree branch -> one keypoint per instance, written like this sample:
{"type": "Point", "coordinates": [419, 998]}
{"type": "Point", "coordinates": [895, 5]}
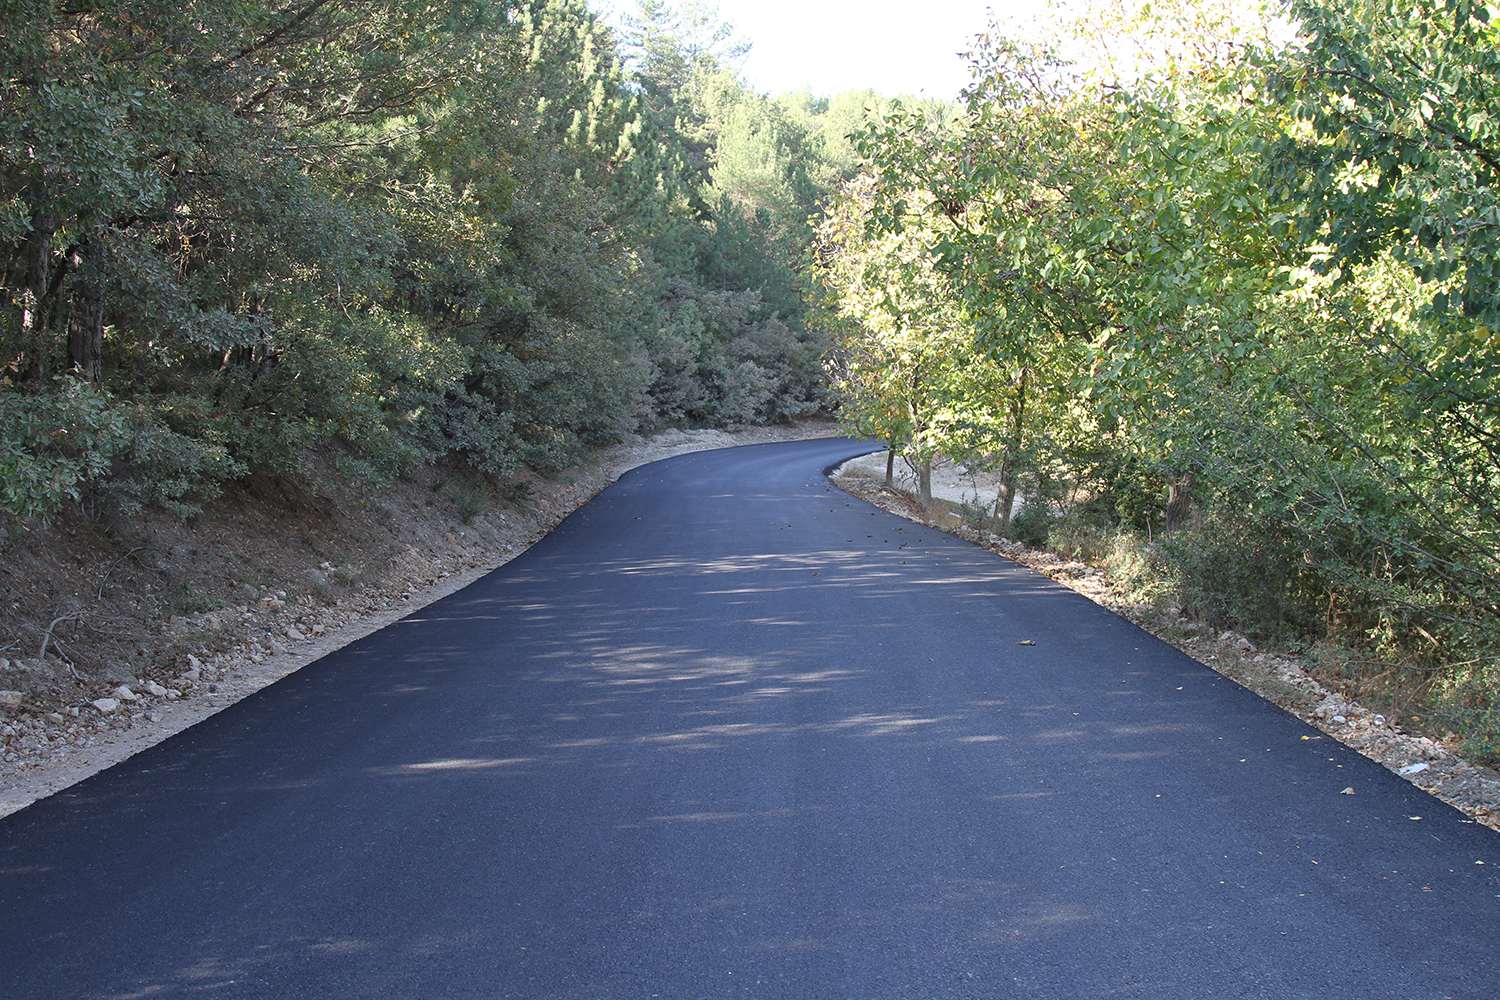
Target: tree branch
{"type": "Point", "coordinates": [275, 36]}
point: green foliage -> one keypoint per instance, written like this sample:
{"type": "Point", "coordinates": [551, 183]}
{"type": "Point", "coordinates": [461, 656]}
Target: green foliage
{"type": "Point", "coordinates": [470, 505]}
{"type": "Point", "coordinates": [1401, 149]}
{"type": "Point", "coordinates": [1473, 707]}
{"type": "Point", "coordinates": [159, 467]}
{"type": "Point", "coordinates": [1261, 275]}
{"type": "Point", "coordinates": [1032, 527]}
{"type": "Point", "coordinates": [393, 229]}
{"type": "Point", "coordinates": [52, 445]}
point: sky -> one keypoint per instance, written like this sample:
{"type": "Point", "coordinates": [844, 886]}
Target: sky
{"type": "Point", "coordinates": [907, 47]}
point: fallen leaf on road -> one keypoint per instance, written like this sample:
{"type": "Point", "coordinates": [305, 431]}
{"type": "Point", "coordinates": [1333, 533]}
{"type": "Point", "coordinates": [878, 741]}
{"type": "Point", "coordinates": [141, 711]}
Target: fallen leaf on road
{"type": "Point", "coordinates": [1026, 642]}
{"type": "Point", "coordinates": [1347, 791]}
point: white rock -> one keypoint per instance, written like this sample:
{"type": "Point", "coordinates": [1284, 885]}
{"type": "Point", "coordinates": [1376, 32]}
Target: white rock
{"type": "Point", "coordinates": [295, 633]}
{"type": "Point", "coordinates": [193, 674]}
{"type": "Point", "coordinates": [1411, 769]}
{"type": "Point", "coordinates": [55, 718]}
{"type": "Point", "coordinates": [193, 663]}
{"type": "Point", "coordinates": [156, 689]}
{"type": "Point", "coordinates": [173, 693]}
{"type": "Point", "coordinates": [1339, 718]}
{"type": "Point", "coordinates": [11, 699]}
{"type": "Point", "coordinates": [105, 705]}
{"type": "Point", "coordinates": [125, 694]}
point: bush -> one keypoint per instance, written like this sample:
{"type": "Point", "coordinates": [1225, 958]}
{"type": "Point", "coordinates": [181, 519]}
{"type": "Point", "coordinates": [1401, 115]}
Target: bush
{"type": "Point", "coordinates": [1244, 575]}
{"type": "Point", "coordinates": [1032, 526]}
{"type": "Point", "coordinates": [158, 467]}
{"type": "Point", "coordinates": [53, 445]}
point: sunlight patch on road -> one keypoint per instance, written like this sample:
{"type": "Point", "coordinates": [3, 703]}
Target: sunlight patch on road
{"type": "Point", "coordinates": [882, 725]}
{"type": "Point", "coordinates": [715, 817]}
{"type": "Point", "coordinates": [463, 764]}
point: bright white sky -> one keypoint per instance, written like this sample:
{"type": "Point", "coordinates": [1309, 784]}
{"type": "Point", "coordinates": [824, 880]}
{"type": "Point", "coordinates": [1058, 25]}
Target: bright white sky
{"type": "Point", "coordinates": [835, 45]}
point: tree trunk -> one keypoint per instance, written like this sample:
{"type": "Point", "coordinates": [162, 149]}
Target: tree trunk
{"type": "Point", "coordinates": [1179, 501]}
{"type": "Point", "coordinates": [924, 482]}
{"type": "Point", "coordinates": [86, 319]}
{"type": "Point", "coordinates": [890, 467]}
{"type": "Point", "coordinates": [1005, 499]}
{"type": "Point", "coordinates": [36, 298]}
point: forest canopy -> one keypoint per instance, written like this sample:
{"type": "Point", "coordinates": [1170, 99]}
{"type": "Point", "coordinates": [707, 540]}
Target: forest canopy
{"type": "Point", "coordinates": [494, 230]}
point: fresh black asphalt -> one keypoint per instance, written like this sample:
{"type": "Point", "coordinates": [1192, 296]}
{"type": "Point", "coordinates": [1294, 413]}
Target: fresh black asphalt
{"type": "Point", "coordinates": [728, 732]}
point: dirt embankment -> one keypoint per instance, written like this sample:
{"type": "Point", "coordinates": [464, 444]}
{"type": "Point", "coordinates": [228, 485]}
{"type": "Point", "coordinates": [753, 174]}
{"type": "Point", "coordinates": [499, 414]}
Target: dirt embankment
{"type": "Point", "coordinates": [117, 634]}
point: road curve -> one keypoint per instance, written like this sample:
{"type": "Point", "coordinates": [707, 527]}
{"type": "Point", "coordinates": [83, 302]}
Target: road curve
{"type": "Point", "coordinates": [729, 732]}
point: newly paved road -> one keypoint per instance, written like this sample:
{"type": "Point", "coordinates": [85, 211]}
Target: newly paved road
{"type": "Point", "coordinates": [728, 732]}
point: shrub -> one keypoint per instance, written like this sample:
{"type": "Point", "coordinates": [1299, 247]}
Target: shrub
{"type": "Point", "coordinates": [52, 445]}
{"type": "Point", "coordinates": [1242, 574]}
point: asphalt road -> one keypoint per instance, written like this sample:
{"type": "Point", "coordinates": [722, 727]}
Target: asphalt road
{"type": "Point", "coordinates": [728, 732]}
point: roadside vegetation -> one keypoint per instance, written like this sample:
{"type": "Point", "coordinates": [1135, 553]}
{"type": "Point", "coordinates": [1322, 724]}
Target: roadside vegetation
{"type": "Point", "coordinates": [1221, 310]}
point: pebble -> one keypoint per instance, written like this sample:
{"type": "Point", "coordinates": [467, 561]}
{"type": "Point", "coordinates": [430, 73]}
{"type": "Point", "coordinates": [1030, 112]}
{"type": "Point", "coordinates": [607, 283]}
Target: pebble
{"type": "Point", "coordinates": [156, 689]}
{"type": "Point", "coordinates": [11, 699]}
{"type": "Point", "coordinates": [105, 705]}
{"type": "Point", "coordinates": [125, 694]}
